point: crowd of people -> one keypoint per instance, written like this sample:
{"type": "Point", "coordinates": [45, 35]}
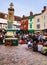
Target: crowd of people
{"type": "Point", "coordinates": [36, 41]}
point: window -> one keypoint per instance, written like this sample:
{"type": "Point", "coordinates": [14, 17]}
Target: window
{"type": "Point", "coordinates": [17, 26]}
{"type": "Point", "coordinates": [38, 20]}
{"type": "Point", "coordinates": [38, 26]}
{"type": "Point", "coordinates": [44, 24]}
{"type": "Point", "coordinates": [44, 17]}
{"type": "Point", "coordinates": [30, 25]}
{"type": "Point", "coordinates": [18, 22]}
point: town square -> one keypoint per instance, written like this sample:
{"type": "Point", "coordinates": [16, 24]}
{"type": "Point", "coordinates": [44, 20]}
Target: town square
{"type": "Point", "coordinates": [23, 32]}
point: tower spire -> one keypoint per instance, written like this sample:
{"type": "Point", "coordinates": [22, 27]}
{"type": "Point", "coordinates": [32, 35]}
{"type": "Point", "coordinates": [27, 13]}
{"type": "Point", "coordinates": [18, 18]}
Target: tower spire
{"type": "Point", "coordinates": [11, 5]}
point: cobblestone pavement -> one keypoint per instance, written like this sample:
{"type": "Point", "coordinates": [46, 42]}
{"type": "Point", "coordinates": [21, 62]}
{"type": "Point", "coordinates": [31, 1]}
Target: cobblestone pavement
{"type": "Point", "coordinates": [20, 55]}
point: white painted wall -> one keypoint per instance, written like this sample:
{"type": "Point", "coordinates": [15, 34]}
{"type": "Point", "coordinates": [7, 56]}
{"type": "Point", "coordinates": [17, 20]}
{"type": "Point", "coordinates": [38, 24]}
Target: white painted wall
{"type": "Point", "coordinates": [42, 21]}
{"type": "Point", "coordinates": [3, 25]}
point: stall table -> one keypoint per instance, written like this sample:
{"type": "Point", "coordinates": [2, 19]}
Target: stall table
{"type": "Point", "coordinates": [11, 41]}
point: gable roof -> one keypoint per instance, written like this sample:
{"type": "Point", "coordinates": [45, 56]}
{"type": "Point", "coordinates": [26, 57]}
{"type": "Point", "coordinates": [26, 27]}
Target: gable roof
{"type": "Point", "coordinates": [16, 18]}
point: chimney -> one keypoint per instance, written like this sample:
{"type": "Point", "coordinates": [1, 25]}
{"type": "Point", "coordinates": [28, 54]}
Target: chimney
{"type": "Point", "coordinates": [23, 16]}
{"type": "Point", "coordinates": [31, 13]}
{"type": "Point", "coordinates": [42, 11]}
{"type": "Point", "coordinates": [44, 8]}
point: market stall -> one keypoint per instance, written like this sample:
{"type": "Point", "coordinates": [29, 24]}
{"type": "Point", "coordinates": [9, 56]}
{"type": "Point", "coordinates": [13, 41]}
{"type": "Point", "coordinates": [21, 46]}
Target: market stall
{"type": "Point", "coordinates": [10, 39]}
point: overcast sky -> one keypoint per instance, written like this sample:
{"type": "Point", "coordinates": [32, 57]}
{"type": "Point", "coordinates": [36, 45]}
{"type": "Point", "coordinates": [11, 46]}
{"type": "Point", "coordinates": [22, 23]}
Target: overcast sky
{"type": "Point", "coordinates": [23, 7]}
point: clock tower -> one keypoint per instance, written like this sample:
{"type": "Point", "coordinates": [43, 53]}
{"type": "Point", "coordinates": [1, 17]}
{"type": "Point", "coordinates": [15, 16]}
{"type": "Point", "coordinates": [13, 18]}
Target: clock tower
{"type": "Point", "coordinates": [10, 17]}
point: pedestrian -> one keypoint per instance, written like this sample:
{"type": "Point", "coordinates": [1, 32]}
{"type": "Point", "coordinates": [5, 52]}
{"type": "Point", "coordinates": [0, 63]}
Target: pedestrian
{"type": "Point", "coordinates": [30, 43]}
{"type": "Point", "coordinates": [35, 46]}
{"type": "Point", "coordinates": [40, 46]}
